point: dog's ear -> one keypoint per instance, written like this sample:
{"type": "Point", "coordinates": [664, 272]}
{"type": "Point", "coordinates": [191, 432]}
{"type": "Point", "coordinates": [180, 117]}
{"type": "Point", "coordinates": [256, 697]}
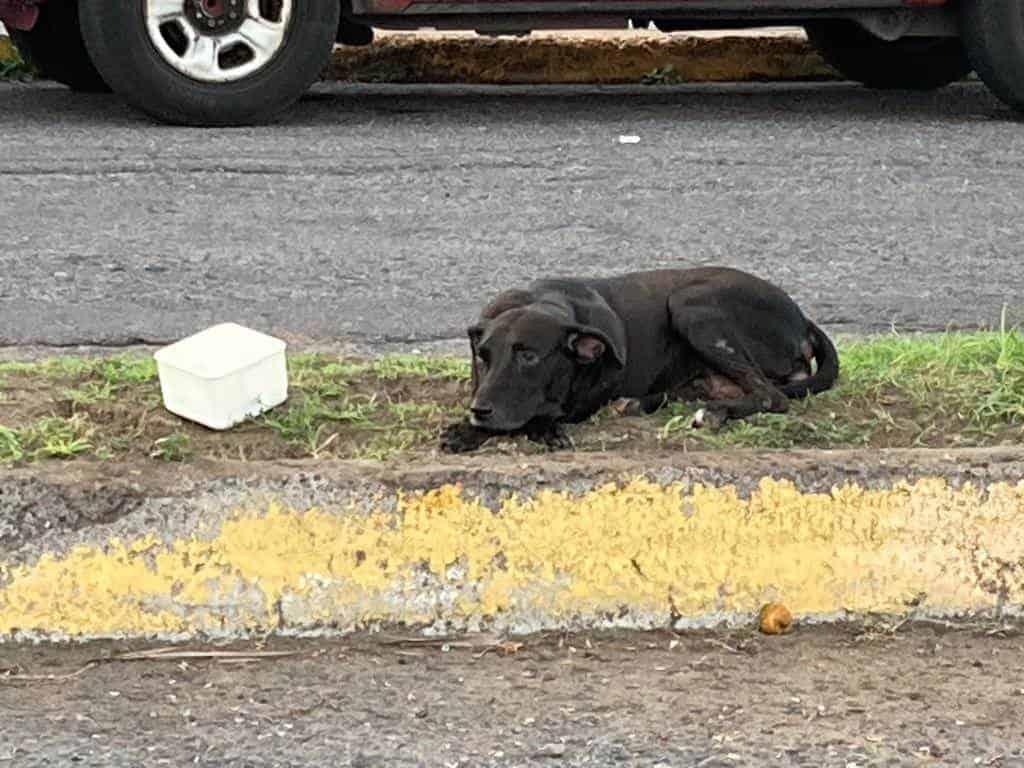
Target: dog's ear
{"type": "Point", "coordinates": [596, 332]}
{"type": "Point", "coordinates": [589, 345]}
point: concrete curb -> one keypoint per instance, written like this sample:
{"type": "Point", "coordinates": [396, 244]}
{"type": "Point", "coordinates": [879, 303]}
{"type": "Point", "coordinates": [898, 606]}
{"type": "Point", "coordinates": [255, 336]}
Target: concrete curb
{"type": "Point", "coordinates": [582, 58]}
{"type": "Point", "coordinates": [570, 542]}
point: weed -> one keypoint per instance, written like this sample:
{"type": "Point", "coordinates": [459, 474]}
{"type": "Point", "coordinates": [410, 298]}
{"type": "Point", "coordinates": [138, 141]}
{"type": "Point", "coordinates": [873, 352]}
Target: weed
{"type": "Point", "coordinates": [391, 441]}
{"type": "Point", "coordinates": [397, 366]}
{"type": "Point", "coordinates": [12, 66]}
{"type": "Point", "coordinates": [117, 370]}
{"type": "Point", "coordinates": [58, 438]}
{"type": "Point", "coordinates": [411, 412]}
{"type": "Point", "coordinates": [661, 76]}
{"type": "Point", "coordinates": [90, 393]}
{"type": "Point", "coordinates": [125, 369]}
{"type": "Point", "coordinates": [10, 445]}
{"type": "Point", "coordinates": [303, 423]}
{"type": "Point", "coordinates": [174, 447]}
{"type": "Point", "coordinates": [307, 370]}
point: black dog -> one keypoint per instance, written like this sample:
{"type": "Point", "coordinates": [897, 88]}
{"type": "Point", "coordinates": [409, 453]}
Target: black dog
{"type": "Point", "coordinates": [561, 349]}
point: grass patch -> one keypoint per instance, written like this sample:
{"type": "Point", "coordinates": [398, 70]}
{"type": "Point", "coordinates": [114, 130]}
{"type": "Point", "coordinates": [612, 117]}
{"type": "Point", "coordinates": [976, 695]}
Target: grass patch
{"type": "Point", "coordinates": [952, 389]}
{"type": "Point", "coordinates": [10, 445]}
{"type": "Point", "coordinates": [111, 408]}
{"type": "Point", "coordinates": [307, 424]}
{"type": "Point", "coordinates": [944, 390]}
{"type": "Point", "coordinates": [91, 392]}
{"type": "Point", "coordinates": [319, 371]}
{"type": "Point", "coordinates": [174, 447]}
{"type": "Point", "coordinates": [977, 378]}
{"type": "Point", "coordinates": [116, 370]}
{"type": "Point", "coordinates": [12, 66]}
{"type": "Point", "coordinates": [796, 429]}
{"type": "Point", "coordinates": [52, 437]}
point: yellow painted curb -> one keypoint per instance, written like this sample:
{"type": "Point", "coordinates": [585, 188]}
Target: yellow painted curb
{"type": "Point", "coordinates": [580, 60]}
{"type": "Point", "coordinates": [634, 555]}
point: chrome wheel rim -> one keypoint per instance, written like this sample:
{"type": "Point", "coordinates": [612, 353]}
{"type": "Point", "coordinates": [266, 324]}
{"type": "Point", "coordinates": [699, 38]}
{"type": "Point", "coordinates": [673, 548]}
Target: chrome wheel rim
{"type": "Point", "coordinates": [218, 41]}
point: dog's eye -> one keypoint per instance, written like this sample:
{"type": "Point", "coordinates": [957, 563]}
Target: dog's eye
{"type": "Point", "coordinates": [527, 357]}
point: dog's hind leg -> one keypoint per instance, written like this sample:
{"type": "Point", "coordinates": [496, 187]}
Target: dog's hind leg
{"type": "Point", "coordinates": [759, 395]}
{"type": "Point", "coordinates": [707, 331]}
{"type": "Point", "coordinates": [640, 406]}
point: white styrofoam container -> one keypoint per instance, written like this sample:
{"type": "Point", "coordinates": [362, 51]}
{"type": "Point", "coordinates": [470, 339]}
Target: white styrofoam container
{"type": "Point", "coordinates": [223, 375]}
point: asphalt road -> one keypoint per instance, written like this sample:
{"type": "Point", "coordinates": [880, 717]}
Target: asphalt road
{"type": "Point", "coordinates": [388, 214]}
{"type": "Point", "coordinates": [823, 697]}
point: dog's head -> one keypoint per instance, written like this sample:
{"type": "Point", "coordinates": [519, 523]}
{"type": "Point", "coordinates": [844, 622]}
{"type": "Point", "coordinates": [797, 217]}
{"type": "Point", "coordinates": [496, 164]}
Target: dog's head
{"type": "Point", "coordinates": [526, 359]}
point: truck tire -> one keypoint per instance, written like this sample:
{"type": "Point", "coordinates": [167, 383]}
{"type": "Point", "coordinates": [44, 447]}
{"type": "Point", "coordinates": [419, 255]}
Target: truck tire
{"type": "Point", "coordinates": [908, 63]}
{"type": "Point", "coordinates": [993, 34]}
{"type": "Point", "coordinates": [210, 62]}
{"type": "Point", "coordinates": [54, 47]}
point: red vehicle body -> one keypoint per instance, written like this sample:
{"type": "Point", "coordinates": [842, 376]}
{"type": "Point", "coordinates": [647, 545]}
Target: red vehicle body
{"type": "Point", "coordinates": [235, 62]}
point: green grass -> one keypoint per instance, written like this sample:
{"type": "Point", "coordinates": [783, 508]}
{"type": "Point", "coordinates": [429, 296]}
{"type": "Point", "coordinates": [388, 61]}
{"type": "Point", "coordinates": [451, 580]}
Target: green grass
{"type": "Point", "coordinates": [914, 385]}
{"type": "Point", "coordinates": [117, 370]}
{"type": "Point", "coordinates": [11, 448]}
{"type": "Point", "coordinates": [411, 413]}
{"type": "Point", "coordinates": [316, 370]}
{"type": "Point", "coordinates": [90, 392]}
{"type": "Point", "coordinates": [979, 376]}
{"type": "Point", "coordinates": [174, 447]}
{"type": "Point", "coordinates": [661, 76]}
{"type": "Point", "coordinates": [12, 66]}
{"type": "Point", "coordinates": [307, 423]}
{"type": "Point", "coordinates": [917, 390]}
{"type": "Point", "coordinates": [52, 437]}
{"type": "Point", "coordinates": [792, 430]}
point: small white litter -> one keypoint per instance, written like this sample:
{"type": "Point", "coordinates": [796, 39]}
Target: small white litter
{"type": "Point", "coordinates": [223, 375]}
{"type": "Point", "coordinates": [629, 139]}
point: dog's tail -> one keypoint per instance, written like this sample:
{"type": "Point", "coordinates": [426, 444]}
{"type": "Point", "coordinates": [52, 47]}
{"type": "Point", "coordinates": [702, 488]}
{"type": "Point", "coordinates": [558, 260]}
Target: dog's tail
{"type": "Point", "coordinates": [826, 357]}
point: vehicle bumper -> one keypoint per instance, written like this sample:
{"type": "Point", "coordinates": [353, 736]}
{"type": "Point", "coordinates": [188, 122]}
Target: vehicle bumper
{"type": "Point", "coordinates": [19, 14]}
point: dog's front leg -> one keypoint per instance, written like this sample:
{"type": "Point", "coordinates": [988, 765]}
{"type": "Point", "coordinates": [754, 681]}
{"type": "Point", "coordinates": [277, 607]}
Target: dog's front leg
{"type": "Point", "coordinates": [549, 433]}
{"type": "Point", "coordinates": [463, 437]}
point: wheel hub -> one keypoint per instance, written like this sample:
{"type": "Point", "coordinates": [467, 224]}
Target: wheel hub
{"type": "Point", "coordinates": [215, 17]}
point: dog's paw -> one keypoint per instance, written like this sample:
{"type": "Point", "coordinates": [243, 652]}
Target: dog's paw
{"type": "Point", "coordinates": [559, 440]}
{"type": "Point", "coordinates": [708, 418]}
{"type": "Point", "coordinates": [627, 406]}
{"type": "Point", "coordinates": [461, 437]}
{"type": "Point", "coordinates": [553, 437]}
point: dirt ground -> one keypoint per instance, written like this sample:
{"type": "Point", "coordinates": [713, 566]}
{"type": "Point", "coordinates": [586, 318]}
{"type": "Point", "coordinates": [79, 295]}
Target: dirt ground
{"type": "Point", "coordinates": [338, 412]}
{"type": "Point", "coordinates": [844, 696]}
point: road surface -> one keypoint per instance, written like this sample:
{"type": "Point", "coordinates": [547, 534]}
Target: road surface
{"type": "Point", "coordinates": [820, 697]}
{"type": "Point", "coordinates": [388, 214]}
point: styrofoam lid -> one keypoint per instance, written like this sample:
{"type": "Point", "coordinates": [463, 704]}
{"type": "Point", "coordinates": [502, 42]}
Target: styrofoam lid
{"type": "Point", "coordinates": [219, 351]}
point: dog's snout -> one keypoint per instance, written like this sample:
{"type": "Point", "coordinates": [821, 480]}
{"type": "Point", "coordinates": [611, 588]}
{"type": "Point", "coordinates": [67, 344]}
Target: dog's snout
{"type": "Point", "coordinates": [481, 412]}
